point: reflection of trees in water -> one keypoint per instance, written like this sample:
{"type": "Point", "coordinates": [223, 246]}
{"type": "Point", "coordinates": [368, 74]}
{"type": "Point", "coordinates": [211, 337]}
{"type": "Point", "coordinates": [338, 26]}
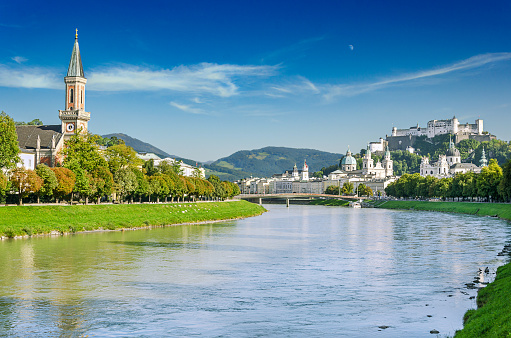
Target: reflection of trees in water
{"type": "Point", "coordinates": [50, 285]}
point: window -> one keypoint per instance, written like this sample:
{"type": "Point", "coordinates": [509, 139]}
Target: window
{"type": "Point", "coordinates": [71, 95]}
{"type": "Point", "coordinates": [81, 96]}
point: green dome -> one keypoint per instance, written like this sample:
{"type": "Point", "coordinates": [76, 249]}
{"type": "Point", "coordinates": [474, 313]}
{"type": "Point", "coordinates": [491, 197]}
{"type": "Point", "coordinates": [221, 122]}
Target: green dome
{"type": "Point", "coordinates": [348, 160]}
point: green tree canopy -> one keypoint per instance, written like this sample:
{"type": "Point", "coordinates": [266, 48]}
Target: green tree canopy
{"type": "Point", "coordinates": [49, 180]}
{"type": "Point", "coordinates": [9, 148]}
{"type": "Point", "coordinates": [82, 150]}
{"type": "Point", "coordinates": [121, 156]}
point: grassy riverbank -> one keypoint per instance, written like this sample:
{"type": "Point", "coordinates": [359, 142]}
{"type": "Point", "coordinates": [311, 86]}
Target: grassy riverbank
{"type": "Point", "coordinates": [32, 220]}
{"type": "Point", "coordinates": [481, 209]}
{"type": "Point", "coordinates": [332, 202]}
{"type": "Point", "coordinates": [493, 316]}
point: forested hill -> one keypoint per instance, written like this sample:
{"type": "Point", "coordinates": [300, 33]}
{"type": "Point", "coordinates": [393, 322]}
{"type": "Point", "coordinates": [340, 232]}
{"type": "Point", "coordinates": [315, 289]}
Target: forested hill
{"type": "Point", "coordinates": [267, 161]}
{"type": "Point", "coordinates": [143, 147]}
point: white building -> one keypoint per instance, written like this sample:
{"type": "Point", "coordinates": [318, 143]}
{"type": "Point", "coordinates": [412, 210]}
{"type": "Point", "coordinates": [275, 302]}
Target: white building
{"type": "Point", "coordinates": [449, 164]}
{"type": "Point", "coordinates": [441, 127]}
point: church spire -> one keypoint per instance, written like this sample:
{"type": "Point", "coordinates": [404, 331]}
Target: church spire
{"type": "Point", "coordinates": [75, 64]}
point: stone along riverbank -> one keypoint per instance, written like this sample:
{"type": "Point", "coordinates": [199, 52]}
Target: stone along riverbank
{"type": "Point", "coordinates": [493, 315]}
{"type": "Point", "coordinates": [55, 219]}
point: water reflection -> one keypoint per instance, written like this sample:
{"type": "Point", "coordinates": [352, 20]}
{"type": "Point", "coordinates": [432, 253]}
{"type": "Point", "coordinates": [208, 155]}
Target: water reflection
{"type": "Point", "coordinates": [292, 272]}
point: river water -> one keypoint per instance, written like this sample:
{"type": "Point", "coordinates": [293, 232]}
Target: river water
{"type": "Point", "coordinates": [300, 271]}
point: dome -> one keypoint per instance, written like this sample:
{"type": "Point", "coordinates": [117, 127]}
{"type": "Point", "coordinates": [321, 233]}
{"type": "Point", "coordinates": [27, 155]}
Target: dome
{"type": "Point", "coordinates": [348, 160]}
{"type": "Point", "coordinates": [453, 152]}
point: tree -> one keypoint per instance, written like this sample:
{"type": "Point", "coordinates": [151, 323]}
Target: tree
{"type": "Point", "coordinates": [364, 190]}
{"type": "Point", "coordinates": [4, 186]}
{"type": "Point", "coordinates": [219, 191]}
{"type": "Point", "coordinates": [103, 182]}
{"type": "Point", "coordinates": [25, 182]}
{"type": "Point", "coordinates": [332, 190]}
{"type": "Point", "coordinates": [505, 183]}
{"type": "Point", "coordinates": [49, 181]}
{"type": "Point", "coordinates": [9, 148]}
{"type": "Point", "coordinates": [121, 156]}
{"type": "Point", "coordinates": [142, 184]}
{"type": "Point", "coordinates": [83, 150]}
{"type": "Point", "coordinates": [66, 182]}
{"type": "Point", "coordinates": [125, 182]}
{"type": "Point", "coordinates": [347, 188]}
{"type": "Point", "coordinates": [84, 184]}
{"type": "Point", "coordinates": [489, 180]}
{"type": "Point", "coordinates": [149, 167]}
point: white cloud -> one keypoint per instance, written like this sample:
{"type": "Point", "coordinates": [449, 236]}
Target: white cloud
{"type": "Point", "coordinates": [19, 59]}
{"type": "Point", "coordinates": [298, 86]}
{"type": "Point", "coordinates": [350, 47]}
{"type": "Point", "coordinates": [470, 63]}
{"type": "Point", "coordinates": [208, 78]}
{"type": "Point", "coordinates": [187, 108]}
{"type": "Point", "coordinates": [29, 77]}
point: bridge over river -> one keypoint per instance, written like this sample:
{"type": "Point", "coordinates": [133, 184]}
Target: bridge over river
{"type": "Point", "coordinates": [293, 197]}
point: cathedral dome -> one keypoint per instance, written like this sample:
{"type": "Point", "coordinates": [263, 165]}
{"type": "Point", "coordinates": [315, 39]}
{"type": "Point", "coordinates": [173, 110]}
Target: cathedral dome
{"type": "Point", "coordinates": [348, 160]}
{"type": "Point", "coordinates": [453, 152]}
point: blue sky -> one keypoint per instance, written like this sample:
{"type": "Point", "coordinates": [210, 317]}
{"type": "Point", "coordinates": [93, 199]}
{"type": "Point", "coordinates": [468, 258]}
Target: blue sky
{"type": "Point", "coordinates": [203, 79]}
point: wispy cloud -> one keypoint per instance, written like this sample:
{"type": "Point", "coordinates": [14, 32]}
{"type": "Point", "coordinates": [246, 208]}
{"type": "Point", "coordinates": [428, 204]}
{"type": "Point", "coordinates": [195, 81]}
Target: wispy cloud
{"type": "Point", "coordinates": [298, 86]}
{"type": "Point", "coordinates": [19, 59]}
{"type": "Point", "coordinates": [29, 77]}
{"type": "Point", "coordinates": [214, 79]}
{"type": "Point", "coordinates": [188, 109]}
{"type": "Point", "coordinates": [470, 63]}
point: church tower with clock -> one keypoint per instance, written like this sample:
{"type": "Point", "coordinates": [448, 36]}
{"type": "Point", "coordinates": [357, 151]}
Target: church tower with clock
{"type": "Point", "coordinates": [74, 118]}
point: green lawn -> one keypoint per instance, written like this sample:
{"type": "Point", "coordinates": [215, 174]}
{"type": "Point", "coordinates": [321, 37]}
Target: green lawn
{"type": "Point", "coordinates": [482, 209]}
{"type": "Point", "coordinates": [493, 316]}
{"type": "Point", "coordinates": [29, 220]}
{"type": "Point", "coordinates": [331, 202]}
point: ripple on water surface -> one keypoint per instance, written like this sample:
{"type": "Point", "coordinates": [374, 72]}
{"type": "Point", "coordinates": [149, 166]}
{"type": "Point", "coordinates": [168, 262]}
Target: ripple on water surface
{"type": "Point", "coordinates": [298, 271]}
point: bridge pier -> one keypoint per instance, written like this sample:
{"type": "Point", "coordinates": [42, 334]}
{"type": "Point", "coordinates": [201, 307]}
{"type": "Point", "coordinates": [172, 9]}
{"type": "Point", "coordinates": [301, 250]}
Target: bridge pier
{"type": "Point", "coordinates": [260, 201]}
{"type": "Point", "coordinates": [287, 202]}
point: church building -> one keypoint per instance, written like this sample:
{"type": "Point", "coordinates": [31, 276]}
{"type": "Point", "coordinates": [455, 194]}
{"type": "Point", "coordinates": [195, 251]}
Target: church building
{"type": "Point", "coordinates": [43, 144]}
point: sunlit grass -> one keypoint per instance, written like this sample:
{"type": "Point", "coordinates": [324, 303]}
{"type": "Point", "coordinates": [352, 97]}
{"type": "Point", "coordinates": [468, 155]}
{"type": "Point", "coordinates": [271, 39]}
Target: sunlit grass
{"type": "Point", "coordinates": [501, 210]}
{"type": "Point", "coordinates": [493, 316]}
{"type": "Point", "coordinates": [31, 220]}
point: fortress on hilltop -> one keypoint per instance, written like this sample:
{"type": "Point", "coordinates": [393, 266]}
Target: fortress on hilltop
{"type": "Point", "coordinates": [401, 139]}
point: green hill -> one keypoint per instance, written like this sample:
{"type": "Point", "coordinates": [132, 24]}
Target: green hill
{"type": "Point", "coordinates": [267, 161]}
{"type": "Point", "coordinates": [143, 147]}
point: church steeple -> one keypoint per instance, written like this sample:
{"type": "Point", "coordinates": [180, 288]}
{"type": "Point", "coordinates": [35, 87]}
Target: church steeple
{"type": "Point", "coordinates": [74, 117]}
{"type": "Point", "coordinates": [75, 64]}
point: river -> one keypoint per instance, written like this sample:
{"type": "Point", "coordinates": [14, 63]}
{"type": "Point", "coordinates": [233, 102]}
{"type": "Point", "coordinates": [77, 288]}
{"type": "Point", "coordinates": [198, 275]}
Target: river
{"type": "Point", "coordinates": [301, 271]}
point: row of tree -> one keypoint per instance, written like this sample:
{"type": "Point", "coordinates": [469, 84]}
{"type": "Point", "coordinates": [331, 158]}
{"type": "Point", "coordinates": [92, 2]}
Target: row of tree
{"type": "Point", "coordinates": [87, 172]}
{"type": "Point", "coordinates": [492, 184]}
{"type": "Point", "coordinates": [348, 189]}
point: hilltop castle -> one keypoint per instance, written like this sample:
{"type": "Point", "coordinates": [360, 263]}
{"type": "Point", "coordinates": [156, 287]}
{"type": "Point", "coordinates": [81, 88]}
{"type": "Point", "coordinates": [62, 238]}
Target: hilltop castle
{"type": "Point", "coordinates": [42, 144]}
{"type": "Point", "coordinates": [401, 139]}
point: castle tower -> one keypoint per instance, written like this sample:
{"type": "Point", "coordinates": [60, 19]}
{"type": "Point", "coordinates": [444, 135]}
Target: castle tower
{"type": "Point", "coordinates": [74, 117]}
{"type": "Point", "coordinates": [367, 162]}
{"type": "Point", "coordinates": [305, 171]}
{"type": "Point", "coordinates": [455, 125]}
{"type": "Point", "coordinates": [388, 164]}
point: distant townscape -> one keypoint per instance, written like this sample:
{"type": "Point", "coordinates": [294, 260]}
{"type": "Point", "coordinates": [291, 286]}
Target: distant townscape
{"type": "Point", "coordinates": [442, 149]}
